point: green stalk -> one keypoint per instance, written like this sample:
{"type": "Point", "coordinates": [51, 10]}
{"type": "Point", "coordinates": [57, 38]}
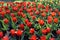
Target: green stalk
{"type": "Point", "coordinates": [22, 19]}
{"type": "Point", "coordinates": [22, 37]}
{"type": "Point", "coordinates": [58, 38]}
{"type": "Point", "coordinates": [0, 39]}
{"type": "Point", "coordinates": [13, 25]}
{"type": "Point", "coordinates": [48, 36]}
{"type": "Point", "coordinates": [19, 37]}
{"type": "Point", "coordinates": [5, 28]}
{"type": "Point", "coordinates": [13, 38]}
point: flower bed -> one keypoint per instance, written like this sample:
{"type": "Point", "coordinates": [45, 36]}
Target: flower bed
{"type": "Point", "coordinates": [29, 21]}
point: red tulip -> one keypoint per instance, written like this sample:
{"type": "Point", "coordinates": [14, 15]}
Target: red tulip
{"type": "Point", "coordinates": [37, 12]}
{"type": "Point", "coordinates": [19, 32]}
{"type": "Point", "coordinates": [14, 19]}
{"type": "Point", "coordinates": [55, 20]}
{"type": "Point", "coordinates": [26, 20]}
{"type": "Point", "coordinates": [15, 8]}
{"type": "Point", "coordinates": [39, 5]}
{"type": "Point", "coordinates": [59, 13]}
{"type": "Point", "coordinates": [6, 21]}
{"type": "Point", "coordinates": [51, 9]}
{"type": "Point", "coordinates": [32, 30]}
{"type": "Point", "coordinates": [53, 14]}
{"type": "Point", "coordinates": [19, 5]}
{"type": "Point", "coordinates": [24, 4]}
{"type": "Point", "coordinates": [42, 6]}
{"type": "Point", "coordinates": [5, 38]}
{"type": "Point", "coordinates": [19, 13]}
{"type": "Point", "coordinates": [25, 8]}
{"type": "Point", "coordinates": [41, 22]}
{"type": "Point", "coordinates": [44, 31]}
{"type": "Point", "coordinates": [46, 10]}
{"type": "Point", "coordinates": [3, 13]}
{"type": "Point", "coordinates": [6, 7]}
{"type": "Point", "coordinates": [52, 38]}
{"type": "Point", "coordinates": [49, 17]}
{"type": "Point", "coordinates": [49, 21]}
{"type": "Point", "coordinates": [47, 6]}
{"type": "Point", "coordinates": [0, 9]}
{"type": "Point", "coordinates": [33, 37]}
{"type": "Point", "coordinates": [33, 3]}
{"type": "Point", "coordinates": [43, 38]}
{"type": "Point", "coordinates": [29, 24]}
{"type": "Point", "coordinates": [33, 17]}
{"type": "Point", "coordinates": [1, 34]}
{"type": "Point", "coordinates": [21, 9]}
{"type": "Point", "coordinates": [56, 10]}
{"type": "Point", "coordinates": [21, 26]}
{"type": "Point", "coordinates": [31, 13]}
{"type": "Point", "coordinates": [29, 10]}
{"type": "Point", "coordinates": [23, 15]}
{"type": "Point", "coordinates": [28, 3]}
{"type": "Point", "coordinates": [7, 11]}
{"type": "Point", "coordinates": [48, 29]}
{"type": "Point", "coordinates": [58, 31]}
{"type": "Point", "coordinates": [35, 9]}
{"type": "Point", "coordinates": [11, 4]}
{"type": "Point", "coordinates": [12, 15]}
{"type": "Point", "coordinates": [2, 3]}
{"type": "Point", "coordinates": [43, 14]}
{"type": "Point", "coordinates": [12, 31]}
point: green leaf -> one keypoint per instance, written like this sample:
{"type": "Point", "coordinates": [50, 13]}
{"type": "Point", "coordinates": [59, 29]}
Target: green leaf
{"type": "Point", "coordinates": [5, 4]}
{"type": "Point", "coordinates": [48, 36]}
{"type": "Point", "coordinates": [5, 28]}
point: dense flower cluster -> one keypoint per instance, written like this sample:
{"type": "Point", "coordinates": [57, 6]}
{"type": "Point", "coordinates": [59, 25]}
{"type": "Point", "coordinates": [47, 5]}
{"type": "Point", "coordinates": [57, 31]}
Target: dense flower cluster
{"type": "Point", "coordinates": [29, 21]}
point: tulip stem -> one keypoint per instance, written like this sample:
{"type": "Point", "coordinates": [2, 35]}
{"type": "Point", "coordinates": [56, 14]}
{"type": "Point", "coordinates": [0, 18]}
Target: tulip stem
{"type": "Point", "coordinates": [5, 28]}
{"type": "Point", "coordinates": [0, 39]}
{"type": "Point", "coordinates": [22, 37]}
{"type": "Point", "coordinates": [13, 25]}
{"type": "Point", "coordinates": [19, 37]}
